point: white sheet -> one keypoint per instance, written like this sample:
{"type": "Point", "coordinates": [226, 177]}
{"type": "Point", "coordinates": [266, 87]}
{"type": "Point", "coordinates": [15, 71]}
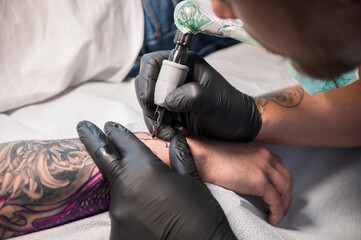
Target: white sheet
{"type": "Point", "coordinates": [47, 46]}
{"type": "Point", "coordinates": [327, 189]}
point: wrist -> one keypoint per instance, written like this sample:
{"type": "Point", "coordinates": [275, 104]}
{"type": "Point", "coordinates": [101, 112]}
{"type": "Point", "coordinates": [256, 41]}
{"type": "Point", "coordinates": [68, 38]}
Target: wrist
{"type": "Point", "coordinates": [199, 152]}
{"type": "Point", "coordinates": [255, 120]}
{"type": "Point", "coordinates": [262, 134]}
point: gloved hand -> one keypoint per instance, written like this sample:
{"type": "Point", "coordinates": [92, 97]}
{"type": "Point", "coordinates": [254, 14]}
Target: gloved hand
{"type": "Point", "coordinates": [206, 105]}
{"type": "Point", "coordinates": [148, 199]}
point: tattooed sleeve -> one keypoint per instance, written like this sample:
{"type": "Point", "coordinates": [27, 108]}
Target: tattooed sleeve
{"type": "Point", "coordinates": [48, 183]}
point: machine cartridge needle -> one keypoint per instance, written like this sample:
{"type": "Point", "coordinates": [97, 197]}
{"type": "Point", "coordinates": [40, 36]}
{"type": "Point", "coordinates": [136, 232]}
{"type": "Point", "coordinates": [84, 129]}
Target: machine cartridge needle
{"type": "Point", "coordinates": [158, 115]}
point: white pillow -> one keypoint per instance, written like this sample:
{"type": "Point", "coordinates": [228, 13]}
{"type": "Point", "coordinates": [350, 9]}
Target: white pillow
{"type": "Point", "coordinates": [48, 45]}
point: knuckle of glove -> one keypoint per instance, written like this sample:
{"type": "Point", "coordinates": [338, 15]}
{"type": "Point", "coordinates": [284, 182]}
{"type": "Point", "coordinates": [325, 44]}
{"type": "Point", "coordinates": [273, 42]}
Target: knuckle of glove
{"type": "Point", "coordinates": [195, 59]}
{"type": "Point", "coordinates": [149, 70]}
{"type": "Point", "coordinates": [195, 93]}
{"type": "Point", "coordinates": [144, 88]}
{"type": "Point", "coordinates": [139, 90]}
{"type": "Point", "coordinates": [118, 213]}
{"type": "Point", "coordinates": [197, 96]}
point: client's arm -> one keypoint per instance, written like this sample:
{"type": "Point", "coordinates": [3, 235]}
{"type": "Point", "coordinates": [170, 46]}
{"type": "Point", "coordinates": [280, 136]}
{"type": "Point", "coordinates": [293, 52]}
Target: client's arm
{"type": "Point", "coordinates": [292, 117]}
{"type": "Point", "coordinates": [48, 183]}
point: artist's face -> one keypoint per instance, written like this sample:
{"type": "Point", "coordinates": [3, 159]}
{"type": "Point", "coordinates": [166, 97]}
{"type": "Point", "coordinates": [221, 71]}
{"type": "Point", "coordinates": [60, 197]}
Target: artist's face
{"type": "Point", "coordinates": [303, 31]}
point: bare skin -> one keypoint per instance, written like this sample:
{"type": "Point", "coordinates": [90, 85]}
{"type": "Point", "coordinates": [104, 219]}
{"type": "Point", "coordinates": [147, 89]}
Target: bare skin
{"type": "Point", "coordinates": [293, 117]}
{"type": "Point", "coordinates": [245, 168]}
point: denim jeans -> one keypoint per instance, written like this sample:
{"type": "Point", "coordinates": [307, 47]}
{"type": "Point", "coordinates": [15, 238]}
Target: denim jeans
{"type": "Point", "coordinates": [159, 31]}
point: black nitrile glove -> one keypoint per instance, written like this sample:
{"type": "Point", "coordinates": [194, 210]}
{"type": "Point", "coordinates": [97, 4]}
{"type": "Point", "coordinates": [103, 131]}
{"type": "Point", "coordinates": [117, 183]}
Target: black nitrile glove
{"type": "Point", "coordinates": [148, 199]}
{"type": "Point", "coordinates": [207, 105]}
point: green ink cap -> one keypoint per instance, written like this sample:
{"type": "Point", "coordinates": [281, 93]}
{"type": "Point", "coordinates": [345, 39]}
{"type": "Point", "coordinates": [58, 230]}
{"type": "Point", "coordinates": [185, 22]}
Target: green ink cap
{"type": "Point", "coordinates": [189, 17]}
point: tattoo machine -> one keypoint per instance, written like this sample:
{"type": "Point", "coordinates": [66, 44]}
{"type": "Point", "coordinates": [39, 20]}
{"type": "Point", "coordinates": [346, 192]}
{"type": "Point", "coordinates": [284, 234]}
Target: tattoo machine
{"type": "Point", "coordinates": [172, 74]}
{"type": "Point", "coordinates": [190, 17]}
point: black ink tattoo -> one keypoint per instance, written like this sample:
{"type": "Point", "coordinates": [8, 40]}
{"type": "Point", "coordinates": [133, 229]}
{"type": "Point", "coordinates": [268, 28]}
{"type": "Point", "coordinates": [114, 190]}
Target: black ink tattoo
{"type": "Point", "coordinates": [288, 98]}
{"type": "Point", "coordinates": [47, 183]}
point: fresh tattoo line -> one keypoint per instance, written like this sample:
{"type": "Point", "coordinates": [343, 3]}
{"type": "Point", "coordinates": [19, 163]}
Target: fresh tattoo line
{"type": "Point", "coordinates": [149, 137]}
{"type": "Point", "coordinates": [288, 98]}
{"type": "Point", "coordinates": [48, 183]}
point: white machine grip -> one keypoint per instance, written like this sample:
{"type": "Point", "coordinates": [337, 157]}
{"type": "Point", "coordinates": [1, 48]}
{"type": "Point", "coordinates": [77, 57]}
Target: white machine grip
{"type": "Point", "coordinates": [171, 76]}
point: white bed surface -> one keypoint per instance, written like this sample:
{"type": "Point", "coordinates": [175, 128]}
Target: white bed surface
{"type": "Point", "coordinates": [327, 193]}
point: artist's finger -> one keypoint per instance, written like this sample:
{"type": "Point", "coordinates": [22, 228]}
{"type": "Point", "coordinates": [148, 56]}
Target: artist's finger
{"type": "Point", "coordinates": [99, 148]}
{"type": "Point", "coordinates": [190, 97]}
{"type": "Point", "coordinates": [196, 65]}
{"type": "Point", "coordinates": [150, 65]}
{"type": "Point", "coordinates": [274, 201]}
{"type": "Point", "coordinates": [181, 158]}
{"type": "Point", "coordinates": [126, 143]}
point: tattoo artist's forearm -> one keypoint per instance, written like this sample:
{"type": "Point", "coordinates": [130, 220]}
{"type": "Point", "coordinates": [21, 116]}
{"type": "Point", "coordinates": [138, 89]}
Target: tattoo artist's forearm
{"type": "Point", "coordinates": [279, 110]}
{"type": "Point", "coordinates": [287, 98]}
{"type": "Point", "coordinates": [293, 117]}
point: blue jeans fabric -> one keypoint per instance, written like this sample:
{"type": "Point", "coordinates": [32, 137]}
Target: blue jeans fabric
{"type": "Point", "coordinates": [159, 31]}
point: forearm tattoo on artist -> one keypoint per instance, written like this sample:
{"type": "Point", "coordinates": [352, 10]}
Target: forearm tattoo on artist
{"type": "Point", "coordinates": [47, 183]}
{"type": "Point", "coordinates": [288, 98]}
